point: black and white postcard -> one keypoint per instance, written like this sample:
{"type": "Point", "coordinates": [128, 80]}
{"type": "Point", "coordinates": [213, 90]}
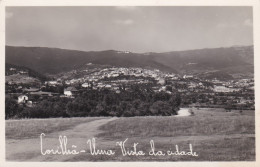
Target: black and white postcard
{"type": "Point", "coordinates": [158, 82]}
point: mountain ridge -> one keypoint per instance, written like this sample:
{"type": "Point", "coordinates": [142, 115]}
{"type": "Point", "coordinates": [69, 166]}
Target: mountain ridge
{"type": "Point", "coordinates": [56, 60]}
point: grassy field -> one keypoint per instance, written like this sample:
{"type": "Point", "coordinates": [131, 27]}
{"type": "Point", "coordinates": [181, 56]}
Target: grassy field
{"type": "Point", "coordinates": [30, 128]}
{"type": "Point", "coordinates": [215, 135]}
{"type": "Point", "coordinates": [205, 122]}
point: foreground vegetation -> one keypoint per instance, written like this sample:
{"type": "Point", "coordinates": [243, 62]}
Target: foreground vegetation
{"type": "Point", "coordinates": [216, 135]}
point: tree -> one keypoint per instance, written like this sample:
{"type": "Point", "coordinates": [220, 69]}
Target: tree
{"type": "Point", "coordinates": [161, 108]}
{"type": "Point", "coordinates": [11, 107]}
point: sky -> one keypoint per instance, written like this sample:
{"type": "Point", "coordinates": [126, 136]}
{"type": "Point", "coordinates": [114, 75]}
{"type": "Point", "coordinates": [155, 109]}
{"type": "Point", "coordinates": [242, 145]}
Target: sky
{"type": "Point", "coordinates": [135, 29]}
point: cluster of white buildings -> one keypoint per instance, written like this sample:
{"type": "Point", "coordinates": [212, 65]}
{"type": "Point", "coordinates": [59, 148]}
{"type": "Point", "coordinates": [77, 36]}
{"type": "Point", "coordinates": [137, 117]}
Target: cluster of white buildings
{"type": "Point", "coordinates": [114, 72]}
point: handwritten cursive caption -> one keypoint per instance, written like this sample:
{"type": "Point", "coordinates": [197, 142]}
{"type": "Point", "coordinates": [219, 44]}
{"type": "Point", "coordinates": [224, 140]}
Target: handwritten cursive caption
{"type": "Point", "coordinates": [63, 149]}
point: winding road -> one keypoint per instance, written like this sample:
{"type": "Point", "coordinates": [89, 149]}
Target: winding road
{"type": "Point", "coordinates": [183, 112]}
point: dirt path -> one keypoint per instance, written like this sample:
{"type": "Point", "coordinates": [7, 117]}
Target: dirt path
{"type": "Point", "coordinates": [30, 149]}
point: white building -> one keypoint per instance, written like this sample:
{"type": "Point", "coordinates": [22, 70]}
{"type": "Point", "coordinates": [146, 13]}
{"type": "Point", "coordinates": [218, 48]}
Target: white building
{"type": "Point", "coordinates": [108, 86]}
{"type": "Point", "coordinates": [52, 83]}
{"type": "Point", "coordinates": [12, 69]}
{"type": "Point", "coordinates": [161, 81]}
{"type": "Point", "coordinates": [85, 85]}
{"type": "Point", "coordinates": [70, 91]}
{"type": "Point", "coordinates": [187, 76]}
{"type": "Point", "coordinates": [22, 99]}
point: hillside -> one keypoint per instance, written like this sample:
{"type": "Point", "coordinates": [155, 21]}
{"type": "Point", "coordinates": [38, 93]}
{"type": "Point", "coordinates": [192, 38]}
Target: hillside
{"type": "Point", "coordinates": [203, 60]}
{"type": "Point", "coordinates": [22, 74]}
{"type": "Point", "coordinates": [232, 60]}
{"type": "Point", "coordinates": [52, 61]}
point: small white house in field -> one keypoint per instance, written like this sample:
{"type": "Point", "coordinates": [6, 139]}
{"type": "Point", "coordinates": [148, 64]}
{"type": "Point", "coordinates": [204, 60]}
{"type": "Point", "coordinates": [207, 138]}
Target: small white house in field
{"type": "Point", "coordinates": [85, 85]}
{"type": "Point", "coordinates": [22, 99]}
{"type": "Point", "coordinates": [70, 91]}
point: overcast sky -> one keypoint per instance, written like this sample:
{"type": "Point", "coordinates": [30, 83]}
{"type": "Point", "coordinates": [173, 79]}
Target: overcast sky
{"type": "Point", "coordinates": [136, 29]}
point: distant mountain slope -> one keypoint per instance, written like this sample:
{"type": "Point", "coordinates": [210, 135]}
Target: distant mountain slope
{"type": "Point", "coordinates": [193, 61]}
{"type": "Point", "coordinates": [53, 61]}
{"type": "Point", "coordinates": [11, 69]}
{"type": "Point", "coordinates": [50, 60]}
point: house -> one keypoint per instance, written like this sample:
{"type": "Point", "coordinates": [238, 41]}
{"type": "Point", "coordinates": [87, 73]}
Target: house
{"type": "Point", "coordinates": [85, 85]}
{"type": "Point", "coordinates": [12, 69]}
{"type": "Point", "coordinates": [70, 91]}
{"type": "Point", "coordinates": [52, 83]}
{"type": "Point", "coordinates": [108, 86]}
{"type": "Point", "coordinates": [187, 76]}
{"type": "Point", "coordinates": [22, 99]}
{"type": "Point", "coordinates": [23, 72]}
{"type": "Point", "coordinates": [161, 81]}
{"type": "Point", "coordinates": [29, 104]}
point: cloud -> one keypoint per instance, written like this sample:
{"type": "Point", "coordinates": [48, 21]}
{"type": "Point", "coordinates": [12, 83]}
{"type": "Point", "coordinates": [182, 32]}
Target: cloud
{"type": "Point", "coordinates": [8, 15]}
{"type": "Point", "coordinates": [248, 22]}
{"type": "Point", "coordinates": [125, 22]}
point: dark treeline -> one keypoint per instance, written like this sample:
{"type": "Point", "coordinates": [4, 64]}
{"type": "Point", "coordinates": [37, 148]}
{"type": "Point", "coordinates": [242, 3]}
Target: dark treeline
{"type": "Point", "coordinates": [133, 102]}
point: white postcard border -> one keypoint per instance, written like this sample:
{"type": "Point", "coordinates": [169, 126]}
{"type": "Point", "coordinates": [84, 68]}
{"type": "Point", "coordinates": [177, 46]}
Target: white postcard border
{"type": "Point", "coordinates": [256, 21]}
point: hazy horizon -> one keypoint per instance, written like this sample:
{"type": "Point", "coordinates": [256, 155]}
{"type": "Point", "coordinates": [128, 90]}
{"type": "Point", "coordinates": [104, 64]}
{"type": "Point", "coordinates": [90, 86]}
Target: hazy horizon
{"type": "Point", "coordinates": [134, 29]}
{"type": "Point", "coordinates": [129, 50]}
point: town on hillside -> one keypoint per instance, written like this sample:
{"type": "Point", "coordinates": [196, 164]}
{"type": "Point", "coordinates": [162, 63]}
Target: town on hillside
{"type": "Point", "coordinates": [196, 92]}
